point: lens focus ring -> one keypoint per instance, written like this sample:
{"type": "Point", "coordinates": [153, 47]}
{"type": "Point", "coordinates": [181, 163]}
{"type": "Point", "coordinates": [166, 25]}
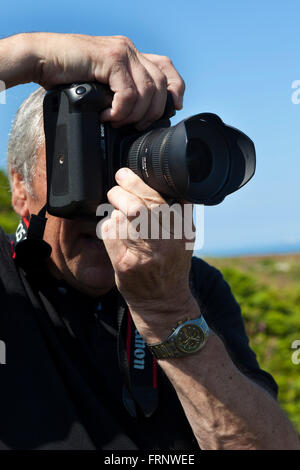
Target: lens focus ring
{"type": "Point", "coordinates": [148, 158]}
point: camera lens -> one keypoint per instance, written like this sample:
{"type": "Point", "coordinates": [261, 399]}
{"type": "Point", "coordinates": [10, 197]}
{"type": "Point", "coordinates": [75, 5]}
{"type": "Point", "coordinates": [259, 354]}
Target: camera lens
{"type": "Point", "coordinates": [200, 160]}
{"type": "Point", "coordinates": [148, 158]}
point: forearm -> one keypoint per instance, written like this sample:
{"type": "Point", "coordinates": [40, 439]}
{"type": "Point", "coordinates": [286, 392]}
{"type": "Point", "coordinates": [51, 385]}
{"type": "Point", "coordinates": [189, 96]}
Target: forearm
{"type": "Point", "coordinates": [18, 62]}
{"type": "Point", "coordinates": [225, 409]}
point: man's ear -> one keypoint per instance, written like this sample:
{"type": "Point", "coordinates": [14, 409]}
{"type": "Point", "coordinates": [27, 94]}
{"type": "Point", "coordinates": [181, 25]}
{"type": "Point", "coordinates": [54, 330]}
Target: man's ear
{"type": "Point", "coordinates": [19, 198]}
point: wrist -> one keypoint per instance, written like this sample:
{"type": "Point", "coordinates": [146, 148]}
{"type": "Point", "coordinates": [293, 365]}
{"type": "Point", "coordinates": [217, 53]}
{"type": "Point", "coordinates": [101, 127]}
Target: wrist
{"type": "Point", "coordinates": [156, 321]}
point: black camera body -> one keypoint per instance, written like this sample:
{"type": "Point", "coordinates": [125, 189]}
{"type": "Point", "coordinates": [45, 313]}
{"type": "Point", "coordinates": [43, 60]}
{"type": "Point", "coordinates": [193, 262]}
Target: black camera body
{"type": "Point", "coordinates": [200, 160]}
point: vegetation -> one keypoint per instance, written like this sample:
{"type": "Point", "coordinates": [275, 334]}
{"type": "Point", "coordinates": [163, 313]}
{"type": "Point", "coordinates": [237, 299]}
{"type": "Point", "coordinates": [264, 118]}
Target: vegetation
{"type": "Point", "coordinates": [268, 290]}
{"type": "Point", "coordinates": [8, 219]}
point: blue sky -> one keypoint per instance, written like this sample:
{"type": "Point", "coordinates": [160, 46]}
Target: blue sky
{"type": "Point", "coordinates": [239, 60]}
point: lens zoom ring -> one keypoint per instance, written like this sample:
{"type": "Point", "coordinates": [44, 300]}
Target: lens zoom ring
{"type": "Point", "coordinates": [133, 157]}
{"type": "Point", "coordinates": [165, 154]}
{"type": "Point", "coordinates": [149, 158]}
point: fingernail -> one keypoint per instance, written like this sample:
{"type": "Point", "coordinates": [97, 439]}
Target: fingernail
{"type": "Point", "coordinates": [122, 174]}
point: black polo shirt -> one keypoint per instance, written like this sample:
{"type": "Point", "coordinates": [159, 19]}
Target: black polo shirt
{"type": "Point", "coordinates": [61, 386]}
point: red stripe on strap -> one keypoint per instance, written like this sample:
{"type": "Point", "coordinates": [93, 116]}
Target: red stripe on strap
{"type": "Point", "coordinates": [13, 253]}
{"type": "Point", "coordinates": [26, 222]}
{"type": "Point", "coordinates": [154, 373]}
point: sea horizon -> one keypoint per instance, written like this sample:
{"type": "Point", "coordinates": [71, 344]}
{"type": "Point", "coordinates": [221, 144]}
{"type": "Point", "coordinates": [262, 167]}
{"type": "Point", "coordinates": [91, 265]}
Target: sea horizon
{"type": "Point", "coordinates": [249, 251]}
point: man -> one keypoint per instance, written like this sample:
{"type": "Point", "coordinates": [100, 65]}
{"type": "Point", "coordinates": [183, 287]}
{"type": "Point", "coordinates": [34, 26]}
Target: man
{"type": "Point", "coordinates": [70, 380]}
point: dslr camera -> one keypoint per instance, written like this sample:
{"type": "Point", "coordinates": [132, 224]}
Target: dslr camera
{"type": "Point", "coordinates": [199, 160]}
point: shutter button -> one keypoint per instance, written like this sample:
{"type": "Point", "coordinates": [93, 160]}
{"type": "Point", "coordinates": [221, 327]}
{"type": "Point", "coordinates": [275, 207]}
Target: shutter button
{"type": "Point", "coordinates": [80, 90]}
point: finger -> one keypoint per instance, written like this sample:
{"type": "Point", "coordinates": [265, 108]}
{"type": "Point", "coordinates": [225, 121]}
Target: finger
{"type": "Point", "coordinates": [145, 87]}
{"type": "Point", "coordinates": [175, 82]}
{"type": "Point", "coordinates": [159, 98]}
{"type": "Point", "coordinates": [127, 203]}
{"type": "Point", "coordinates": [118, 235]}
{"type": "Point", "coordinates": [125, 94]}
{"type": "Point", "coordinates": [114, 244]}
{"type": "Point", "coordinates": [132, 183]}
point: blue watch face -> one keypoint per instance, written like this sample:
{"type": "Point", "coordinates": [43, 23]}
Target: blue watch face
{"type": "Point", "coordinates": [190, 338]}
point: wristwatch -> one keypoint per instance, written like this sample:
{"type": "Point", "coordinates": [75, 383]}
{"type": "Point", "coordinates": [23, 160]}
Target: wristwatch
{"type": "Point", "coordinates": [188, 337]}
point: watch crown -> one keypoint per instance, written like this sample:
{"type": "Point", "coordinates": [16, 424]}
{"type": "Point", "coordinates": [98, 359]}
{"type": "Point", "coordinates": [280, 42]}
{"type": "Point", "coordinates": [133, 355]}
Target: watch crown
{"type": "Point", "coordinates": [180, 322]}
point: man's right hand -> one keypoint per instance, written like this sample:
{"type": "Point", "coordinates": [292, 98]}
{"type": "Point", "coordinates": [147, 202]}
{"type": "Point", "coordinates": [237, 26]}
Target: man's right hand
{"type": "Point", "coordinates": [139, 81]}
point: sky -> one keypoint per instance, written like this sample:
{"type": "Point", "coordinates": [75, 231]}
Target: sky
{"type": "Point", "coordinates": [239, 60]}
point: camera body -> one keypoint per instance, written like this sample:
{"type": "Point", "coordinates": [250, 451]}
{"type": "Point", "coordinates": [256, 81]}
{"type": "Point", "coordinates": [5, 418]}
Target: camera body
{"type": "Point", "coordinates": [82, 154]}
{"type": "Point", "coordinates": [200, 160]}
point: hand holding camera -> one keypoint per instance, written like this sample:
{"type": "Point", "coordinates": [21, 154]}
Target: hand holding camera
{"type": "Point", "coordinates": [139, 81]}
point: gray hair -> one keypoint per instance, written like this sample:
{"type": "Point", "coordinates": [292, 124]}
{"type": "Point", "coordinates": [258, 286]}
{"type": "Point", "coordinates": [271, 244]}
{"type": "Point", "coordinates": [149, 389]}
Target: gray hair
{"type": "Point", "coordinates": [26, 137]}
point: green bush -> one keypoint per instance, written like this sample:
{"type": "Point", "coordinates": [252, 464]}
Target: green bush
{"type": "Point", "coordinates": [270, 303]}
{"type": "Point", "coordinates": [8, 219]}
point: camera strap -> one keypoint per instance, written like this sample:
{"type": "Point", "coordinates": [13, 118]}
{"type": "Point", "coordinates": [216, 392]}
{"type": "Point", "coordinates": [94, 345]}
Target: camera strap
{"type": "Point", "coordinates": [138, 368]}
{"type": "Point", "coordinates": [28, 247]}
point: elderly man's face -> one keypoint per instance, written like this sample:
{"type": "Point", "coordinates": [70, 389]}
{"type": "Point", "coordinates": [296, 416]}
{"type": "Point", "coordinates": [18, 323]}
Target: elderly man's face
{"type": "Point", "coordinates": [78, 256]}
